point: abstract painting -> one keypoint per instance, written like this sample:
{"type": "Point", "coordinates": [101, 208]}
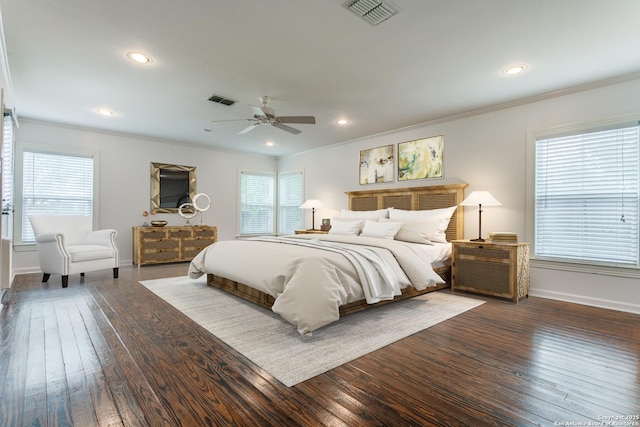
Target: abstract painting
{"type": "Point", "coordinates": [421, 158]}
{"type": "Point", "coordinates": [376, 165]}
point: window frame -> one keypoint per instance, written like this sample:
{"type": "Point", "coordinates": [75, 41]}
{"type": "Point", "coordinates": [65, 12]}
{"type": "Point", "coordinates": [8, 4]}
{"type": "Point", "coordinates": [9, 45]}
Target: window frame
{"type": "Point", "coordinates": [19, 245]}
{"type": "Point", "coordinates": [280, 208]}
{"type": "Point", "coordinates": [273, 176]}
{"type": "Point", "coordinates": [530, 210]}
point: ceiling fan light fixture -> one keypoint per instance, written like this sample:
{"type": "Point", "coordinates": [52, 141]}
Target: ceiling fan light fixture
{"type": "Point", "coordinates": [139, 57]}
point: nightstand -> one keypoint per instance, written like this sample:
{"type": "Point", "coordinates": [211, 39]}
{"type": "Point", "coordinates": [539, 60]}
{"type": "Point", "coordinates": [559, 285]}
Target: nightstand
{"type": "Point", "coordinates": [496, 269]}
{"type": "Point", "coordinates": [311, 232]}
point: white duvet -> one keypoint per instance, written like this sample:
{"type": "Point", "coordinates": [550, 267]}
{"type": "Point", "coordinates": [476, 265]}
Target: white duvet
{"type": "Point", "coordinates": [311, 276]}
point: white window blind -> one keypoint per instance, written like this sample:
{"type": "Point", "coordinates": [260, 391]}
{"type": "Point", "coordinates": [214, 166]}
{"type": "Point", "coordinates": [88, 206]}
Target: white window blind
{"type": "Point", "coordinates": [290, 197]}
{"type": "Point", "coordinates": [257, 201]}
{"type": "Point", "coordinates": [586, 197]}
{"type": "Point", "coordinates": [55, 184]}
{"type": "Point", "coordinates": [7, 164]}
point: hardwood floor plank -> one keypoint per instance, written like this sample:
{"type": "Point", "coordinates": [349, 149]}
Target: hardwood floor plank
{"type": "Point", "coordinates": [105, 368]}
{"type": "Point", "coordinates": [109, 352]}
{"type": "Point", "coordinates": [14, 348]}
{"type": "Point", "coordinates": [125, 374]}
{"type": "Point", "coordinates": [80, 378]}
{"type": "Point", "coordinates": [58, 393]}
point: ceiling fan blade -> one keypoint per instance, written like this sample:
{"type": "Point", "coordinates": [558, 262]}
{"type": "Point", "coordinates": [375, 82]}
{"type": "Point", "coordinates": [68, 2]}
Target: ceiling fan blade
{"type": "Point", "coordinates": [287, 128]}
{"type": "Point", "coordinates": [229, 120]}
{"type": "Point", "coordinates": [307, 120]}
{"type": "Point", "coordinates": [248, 129]}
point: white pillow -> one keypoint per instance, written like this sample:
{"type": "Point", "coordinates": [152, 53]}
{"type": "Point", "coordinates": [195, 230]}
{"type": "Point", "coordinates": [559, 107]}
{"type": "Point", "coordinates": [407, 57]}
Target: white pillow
{"type": "Point", "coordinates": [416, 231]}
{"type": "Point", "coordinates": [381, 230]}
{"type": "Point", "coordinates": [349, 228]}
{"type": "Point", "coordinates": [439, 217]}
{"type": "Point", "coordinates": [380, 213]}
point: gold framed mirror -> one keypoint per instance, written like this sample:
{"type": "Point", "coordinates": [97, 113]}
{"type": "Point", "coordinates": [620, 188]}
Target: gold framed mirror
{"type": "Point", "coordinates": [171, 186]}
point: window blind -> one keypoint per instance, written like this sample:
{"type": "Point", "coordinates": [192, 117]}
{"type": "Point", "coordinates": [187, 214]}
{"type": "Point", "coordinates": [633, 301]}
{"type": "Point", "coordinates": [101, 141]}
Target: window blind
{"type": "Point", "coordinates": [290, 197]}
{"type": "Point", "coordinates": [257, 200]}
{"type": "Point", "coordinates": [586, 197]}
{"type": "Point", "coordinates": [55, 184]}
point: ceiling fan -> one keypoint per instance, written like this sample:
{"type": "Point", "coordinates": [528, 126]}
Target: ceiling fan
{"type": "Point", "coordinates": [266, 116]}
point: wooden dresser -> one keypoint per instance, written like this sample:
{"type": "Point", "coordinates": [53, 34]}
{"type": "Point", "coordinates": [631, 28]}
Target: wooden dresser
{"type": "Point", "coordinates": [497, 269]}
{"type": "Point", "coordinates": [158, 245]}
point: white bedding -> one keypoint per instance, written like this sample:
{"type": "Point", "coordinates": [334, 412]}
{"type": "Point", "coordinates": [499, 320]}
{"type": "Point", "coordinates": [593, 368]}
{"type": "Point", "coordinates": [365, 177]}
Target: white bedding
{"type": "Point", "coordinates": [310, 276]}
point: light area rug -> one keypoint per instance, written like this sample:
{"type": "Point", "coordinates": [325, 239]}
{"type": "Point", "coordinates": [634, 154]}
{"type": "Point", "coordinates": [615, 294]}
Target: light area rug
{"type": "Point", "coordinates": [276, 346]}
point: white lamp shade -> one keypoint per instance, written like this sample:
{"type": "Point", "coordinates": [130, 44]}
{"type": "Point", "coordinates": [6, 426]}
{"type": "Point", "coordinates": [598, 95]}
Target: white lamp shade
{"type": "Point", "coordinates": [483, 198]}
{"type": "Point", "coordinates": [311, 204]}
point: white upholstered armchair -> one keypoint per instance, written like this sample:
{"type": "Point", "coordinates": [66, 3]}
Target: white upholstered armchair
{"type": "Point", "coordinates": [67, 245]}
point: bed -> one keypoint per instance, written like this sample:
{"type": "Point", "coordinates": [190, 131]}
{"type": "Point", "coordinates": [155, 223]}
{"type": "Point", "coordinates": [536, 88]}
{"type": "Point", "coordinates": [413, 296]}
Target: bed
{"type": "Point", "coordinates": [356, 272]}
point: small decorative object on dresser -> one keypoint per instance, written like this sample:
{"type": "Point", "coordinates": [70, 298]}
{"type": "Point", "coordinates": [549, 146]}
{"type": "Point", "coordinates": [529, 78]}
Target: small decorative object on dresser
{"type": "Point", "coordinates": [326, 224]}
{"type": "Point", "coordinates": [490, 268]}
{"type": "Point", "coordinates": [159, 245]}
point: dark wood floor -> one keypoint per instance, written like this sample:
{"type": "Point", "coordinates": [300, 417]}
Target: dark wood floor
{"type": "Point", "coordinates": [108, 352]}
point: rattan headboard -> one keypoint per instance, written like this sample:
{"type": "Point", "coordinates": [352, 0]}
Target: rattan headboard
{"type": "Point", "coordinates": [415, 198]}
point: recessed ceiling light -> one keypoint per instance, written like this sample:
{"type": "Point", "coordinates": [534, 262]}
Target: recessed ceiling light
{"type": "Point", "coordinates": [514, 69]}
{"type": "Point", "coordinates": [139, 57]}
{"type": "Point", "coordinates": [269, 143]}
{"type": "Point", "coordinates": [105, 112]}
{"type": "Point", "coordinates": [342, 122]}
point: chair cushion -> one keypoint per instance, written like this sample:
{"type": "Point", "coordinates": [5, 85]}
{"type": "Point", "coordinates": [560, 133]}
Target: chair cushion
{"type": "Point", "coordinates": [81, 253]}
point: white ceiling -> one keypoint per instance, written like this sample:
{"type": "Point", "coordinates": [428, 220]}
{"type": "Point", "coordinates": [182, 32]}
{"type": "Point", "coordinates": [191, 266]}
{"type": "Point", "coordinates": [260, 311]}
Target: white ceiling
{"type": "Point", "coordinates": [434, 59]}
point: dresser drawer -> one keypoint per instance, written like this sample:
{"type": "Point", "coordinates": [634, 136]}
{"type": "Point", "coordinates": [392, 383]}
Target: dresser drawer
{"type": "Point", "coordinates": [180, 234]}
{"type": "Point", "coordinates": [157, 257]}
{"type": "Point", "coordinates": [204, 232]}
{"type": "Point", "coordinates": [154, 245]}
{"type": "Point", "coordinates": [153, 233]}
{"type": "Point", "coordinates": [197, 243]}
{"type": "Point", "coordinates": [483, 252]}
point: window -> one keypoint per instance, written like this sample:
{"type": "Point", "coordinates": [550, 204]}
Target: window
{"type": "Point", "coordinates": [290, 197]}
{"type": "Point", "coordinates": [7, 165]}
{"type": "Point", "coordinates": [258, 193]}
{"type": "Point", "coordinates": [257, 200]}
{"type": "Point", "coordinates": [586, 188]}
{"type": "Point", "coordinates": [55, 183]}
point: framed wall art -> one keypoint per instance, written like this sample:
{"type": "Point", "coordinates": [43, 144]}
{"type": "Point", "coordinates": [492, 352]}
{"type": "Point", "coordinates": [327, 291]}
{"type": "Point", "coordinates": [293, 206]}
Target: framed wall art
{"type": "Point", "coordinates": [376, 165]}
{"type": "Point", "coordinates": [421, 159]}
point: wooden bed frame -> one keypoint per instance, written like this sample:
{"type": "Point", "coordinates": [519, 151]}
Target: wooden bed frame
{"type": "Point", "coordinates": [414, 198]}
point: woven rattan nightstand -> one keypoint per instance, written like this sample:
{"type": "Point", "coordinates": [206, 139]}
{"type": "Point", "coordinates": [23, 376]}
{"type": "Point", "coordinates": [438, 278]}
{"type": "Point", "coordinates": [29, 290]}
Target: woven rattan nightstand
{"type": "Point", "coordinates": [497, 269]}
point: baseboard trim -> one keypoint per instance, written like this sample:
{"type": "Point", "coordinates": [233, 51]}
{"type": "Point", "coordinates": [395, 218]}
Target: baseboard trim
{"type": "Point", "coordinates": [581, 299]}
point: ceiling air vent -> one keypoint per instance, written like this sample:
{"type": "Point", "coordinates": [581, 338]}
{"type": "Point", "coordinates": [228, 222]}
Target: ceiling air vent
{"type": "Point", "coordinates": [372, 11]}
{"type": "Point", "coordinates": [222, 100]}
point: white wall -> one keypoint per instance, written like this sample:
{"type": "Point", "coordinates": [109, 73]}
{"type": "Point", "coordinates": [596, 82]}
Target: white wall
{"type": "Point", "coordinates": [488, 151]}
{"type": "Point", "coordinates": [125, 184]}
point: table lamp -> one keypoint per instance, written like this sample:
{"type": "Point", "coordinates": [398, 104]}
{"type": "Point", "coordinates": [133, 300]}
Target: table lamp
{"type": "Point", "coordinates": [480, 198]}
{"type": "Point", "coordinates": [312, 204]}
